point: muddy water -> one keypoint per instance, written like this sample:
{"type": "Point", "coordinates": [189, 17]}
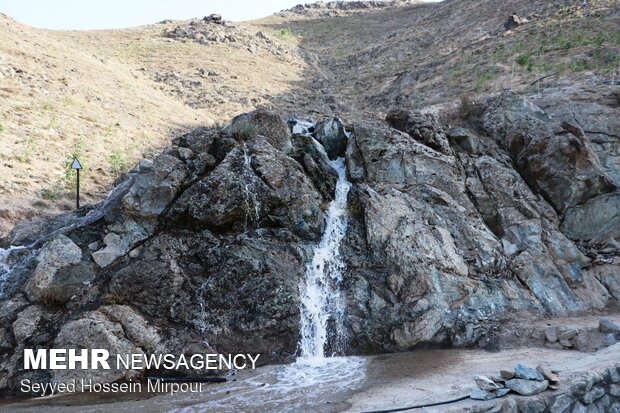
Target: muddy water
{"type": "Point", "coordinates": [351, 384]}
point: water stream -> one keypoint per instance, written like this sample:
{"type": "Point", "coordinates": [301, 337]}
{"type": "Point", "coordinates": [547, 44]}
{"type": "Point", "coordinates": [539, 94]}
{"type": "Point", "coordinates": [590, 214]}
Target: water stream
{"type": "Point", "coordinates": [322, 303]}
{"type": "Point", "coordinates": [251, 201]}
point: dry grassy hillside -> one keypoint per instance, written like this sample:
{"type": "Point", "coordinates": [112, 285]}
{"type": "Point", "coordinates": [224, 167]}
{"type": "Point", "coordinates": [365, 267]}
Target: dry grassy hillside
{"type": "Point", "coordinates": [416, 55]}
{"type": "Point", "coordinates": [112, 97]}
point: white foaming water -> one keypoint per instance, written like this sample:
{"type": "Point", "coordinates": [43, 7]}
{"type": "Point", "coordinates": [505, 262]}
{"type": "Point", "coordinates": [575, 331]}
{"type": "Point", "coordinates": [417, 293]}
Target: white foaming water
{"type": "Point", "coordinates": [321, 299]}
{"type": "Point", "coordinates": [250, 190]}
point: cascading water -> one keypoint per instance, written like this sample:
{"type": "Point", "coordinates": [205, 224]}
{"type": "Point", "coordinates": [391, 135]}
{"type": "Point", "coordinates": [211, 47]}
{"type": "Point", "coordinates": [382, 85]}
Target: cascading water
{"type": "Point", "coordinates": [251, 201]}
{"type": "Point", "coordinates": [321, 299]}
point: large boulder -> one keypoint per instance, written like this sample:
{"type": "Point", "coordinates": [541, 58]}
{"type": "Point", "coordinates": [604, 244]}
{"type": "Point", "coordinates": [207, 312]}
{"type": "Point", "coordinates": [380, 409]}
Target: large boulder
{"type": "Point", "coordinates": [258, 185]}
{"type": "Point", "coordinates": [157, 184]}
{"type": "Point", "coordinates": [331, 134]}
{"type": "Point", "coordinates": [52, 276]}
{"type": "Point", "coordinates": [264, 123]}
{"type": "Point", "coordinates": [555, 159]}
{"type": "Point", "coordinates": [95, 330]}
{"type": "Point", "coordinates": [422, 127]}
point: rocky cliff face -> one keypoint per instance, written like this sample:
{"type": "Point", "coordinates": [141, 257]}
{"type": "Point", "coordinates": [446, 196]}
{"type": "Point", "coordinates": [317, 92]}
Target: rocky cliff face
{"type": "Point", "coordinates": [204, 247]}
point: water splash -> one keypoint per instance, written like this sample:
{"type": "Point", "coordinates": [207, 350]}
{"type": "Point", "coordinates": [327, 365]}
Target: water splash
{"type": "Point", "coordinates": [321, 299]}
{"type": "Point", "coordinates": [251, 201]}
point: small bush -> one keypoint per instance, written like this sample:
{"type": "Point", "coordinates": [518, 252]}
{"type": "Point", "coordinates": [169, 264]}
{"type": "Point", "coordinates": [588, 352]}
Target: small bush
{"type": "Point", "coordinates": [1, 127]}
{"type": "Point", "coordinates": [523, 59]}
{"type": "Point", "coordinates": [118, 162]}
{"type": "Point", "coordinates": [54, 298]}
{"type": "Point", "coordinates": [52, 194]}
{"type": "Point", "coordinates": [286, 32]}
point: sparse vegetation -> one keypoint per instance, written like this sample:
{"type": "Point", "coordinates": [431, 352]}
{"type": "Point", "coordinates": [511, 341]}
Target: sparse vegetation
{"type": "Point", "coordinates": [54, 298]}
{"type": "Point", "coordinates": [246, 131]}
{"type": "Point", "coordinates": [68, 176]}
{"type": "Point", "coordinates": [482, 82]}
{"type": "Point", "coordinates": [27, 150]}
{"type": "Point", "coordinates": [286, 32]}
{"type": "Point", "coordinates": [54, 193]}
{"type": "Point", "coordinates": [1, 127]}
{"type": "Point", "coordinates": [117, 161]}
{"type": "Point", "coordinates": [525, 60]}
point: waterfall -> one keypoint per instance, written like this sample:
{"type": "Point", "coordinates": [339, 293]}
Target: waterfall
{"type": "Point", "coordinates": [321, 300]}
{"type": "Point", "coordinates": [250, 190]}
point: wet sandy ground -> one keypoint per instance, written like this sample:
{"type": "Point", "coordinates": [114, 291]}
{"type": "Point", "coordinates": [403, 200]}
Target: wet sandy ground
{"type": "Point", "coordinates": [350, 384]}
{"type": "Point", "coordinates": [360, 384]}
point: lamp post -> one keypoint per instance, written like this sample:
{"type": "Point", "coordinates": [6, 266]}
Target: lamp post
{"type": "Point", "coordinates": [77, 166]}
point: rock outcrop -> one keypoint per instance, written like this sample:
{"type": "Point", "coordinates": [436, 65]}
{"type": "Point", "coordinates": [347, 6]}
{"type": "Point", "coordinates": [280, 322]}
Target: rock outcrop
{"type": "Point", "coordinates": [205, 246]}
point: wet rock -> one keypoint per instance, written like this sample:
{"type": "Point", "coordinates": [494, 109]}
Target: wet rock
{"type": "Point", "coordinates": [264, 123]}
{"type": "Point", "coordinates": [527, 387]}
{"type": "Point", "coordinates": [331, 134]}
{"type": "Point", "coordinates": [269, 187]}
{"type": "Point", "coordinates": [527, 373]}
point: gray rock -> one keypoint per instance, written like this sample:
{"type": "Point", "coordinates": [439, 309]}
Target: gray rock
{"type": "Point", "coordinates": [568, 334]}
{"type": "Point", "coordinates": [507, 374]}
{"type": "Point", "coordinates": [331, 134]}
{"type": "Point", "coordinates": [527, 373]}
{"type": "Point", "coordinates": [465, 139]}
{"type": "Point", "coordinates": [547, 373]}
{"type": "Point", "coordinates": [423, 128]}
{"type": "Point", "coordinates": [551, 334]}
{"type": "Point", "coordinates": [26, 323]}
{"type": "Point", "coordinates": [579, 408]}
{"type": "Point", "coordinates": [593, 395]}
{"type": "Point", "coordinates": [484, 383]}
{"type": "Point", "coordinates": [95, 330]}
{"type": "Point", "coordinates": [58, 254]}
{"type": "Point", "coordinates": [527, 387]}
{"type": "Point", "coordinates": [261, 123]}
{"type": "Point", "coordinates": [488, 394]}
{"type": "Point", "coordinates": [607, 326]}
{"type": "Point", "coordinates": [561, 404]}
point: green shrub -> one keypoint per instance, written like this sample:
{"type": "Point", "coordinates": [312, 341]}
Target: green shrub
{"type": "Point", "coordinates": [52, 194]}
{"type": "Point", "coordinates": [286, 32]}
{"type": "Point", "coordinates": [118, 162]}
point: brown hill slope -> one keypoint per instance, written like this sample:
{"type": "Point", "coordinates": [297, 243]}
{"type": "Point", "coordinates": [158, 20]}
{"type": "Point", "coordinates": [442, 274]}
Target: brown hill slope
{"type": "Point", "coordinates": [118, 95]}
